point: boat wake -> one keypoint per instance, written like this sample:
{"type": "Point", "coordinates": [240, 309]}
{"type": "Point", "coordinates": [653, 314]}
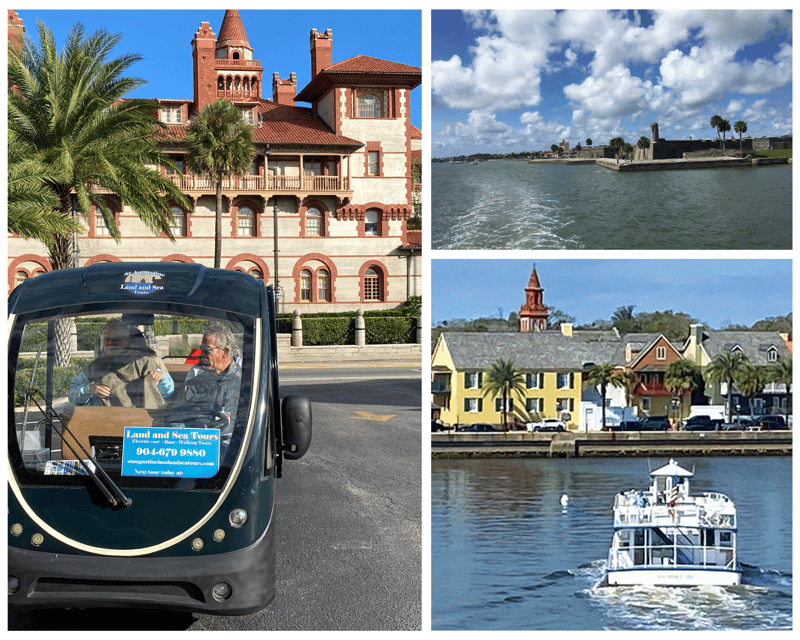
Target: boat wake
{"type": "Point", "coordinates": [763, 600]}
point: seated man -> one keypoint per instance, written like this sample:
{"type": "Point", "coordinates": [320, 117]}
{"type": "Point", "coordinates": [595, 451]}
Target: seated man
{"type": "Point", "coordinates": [127, 374]}
{"type": "Point", "coordinates": [212, 387]}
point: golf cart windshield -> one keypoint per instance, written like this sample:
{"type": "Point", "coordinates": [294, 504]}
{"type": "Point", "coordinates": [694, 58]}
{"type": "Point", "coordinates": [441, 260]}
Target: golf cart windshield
{"type": "Point", "coordinates": [157, 399]}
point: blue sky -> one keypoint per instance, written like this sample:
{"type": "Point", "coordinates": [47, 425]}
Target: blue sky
{"type": "Point", "coordinates": [717, 292]}
{"type": "Point", "coordinates": [509, 81]}
{"type": "Point", "coordinates": [280, 39]}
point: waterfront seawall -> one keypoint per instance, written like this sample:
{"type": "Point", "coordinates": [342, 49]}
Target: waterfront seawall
{"type": "Point", "coordinates": [610, 444]}
{"type": "Point", "coordinates": [681, 164]}
{"type": "Point", "coordinates": [670, 164]}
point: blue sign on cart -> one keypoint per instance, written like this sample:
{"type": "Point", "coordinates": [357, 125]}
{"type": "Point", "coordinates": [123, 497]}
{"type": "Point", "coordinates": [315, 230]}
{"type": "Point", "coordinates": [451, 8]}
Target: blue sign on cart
{"type": "Point", "coordinates": [168, 452]}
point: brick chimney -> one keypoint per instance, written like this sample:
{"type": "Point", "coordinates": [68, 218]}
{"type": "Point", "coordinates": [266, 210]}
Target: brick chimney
{"type": "Point", "coordinates": [203, 71]}
{"type": "Point", "coordinates": [284, 91]}
{"type": "Point", "coordinates": [321, 51]}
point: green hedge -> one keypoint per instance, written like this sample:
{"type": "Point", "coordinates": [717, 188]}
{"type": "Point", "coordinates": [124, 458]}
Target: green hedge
{"type": "Point", "coordinates": [62, 376]}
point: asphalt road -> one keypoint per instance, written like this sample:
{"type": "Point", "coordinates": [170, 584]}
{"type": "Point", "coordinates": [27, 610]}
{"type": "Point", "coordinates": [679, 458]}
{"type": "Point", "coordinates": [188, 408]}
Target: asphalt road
{"type": "Point", "coordinates": [349, 517]}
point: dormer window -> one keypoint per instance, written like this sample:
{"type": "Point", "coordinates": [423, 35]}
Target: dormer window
{"type": "Point", "coordinates": [171, 115]}
{"type": "Point", "coordinates": [772, 355]}
{"type": "Point", "coordinates": [369, 105]}
{"type": "Point", "coordinates": [247, 116]}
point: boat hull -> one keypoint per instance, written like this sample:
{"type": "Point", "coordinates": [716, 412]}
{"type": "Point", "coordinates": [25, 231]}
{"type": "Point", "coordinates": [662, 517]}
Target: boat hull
{"type": "Point", "coordinates": [673, 577]}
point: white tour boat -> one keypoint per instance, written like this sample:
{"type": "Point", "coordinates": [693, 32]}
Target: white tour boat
{"type": "Point", "coordinates": [665, 536]}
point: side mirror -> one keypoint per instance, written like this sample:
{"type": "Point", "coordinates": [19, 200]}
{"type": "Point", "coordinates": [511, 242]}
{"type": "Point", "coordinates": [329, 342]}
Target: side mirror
{"type": "Point", "coordinates": [296, 419]}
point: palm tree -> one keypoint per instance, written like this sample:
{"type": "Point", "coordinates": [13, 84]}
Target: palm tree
{"type": "Point", "coordinates": [32, 206]}
{"type": "Point", "coordinates": [780, 372]}
{"type": "Point", "coordinates": [628, 380]}
{"type": "Point", "coordinates": [67, 116]}
{"type": "Point", "coordinates": [601, 375]}
{"type": "Point", "coordinates": [724, 126]}
{"type": "Point", "coordinates": [643, 143]}
{"type": "Point", "coordinates": [750, 381]}
{"type": "Point", "coordinates": [740, 127]}
{"type": "Point", "coordinates": [616, 144]}
{"type": "Point", "coordinates": [715, 122]}
{"type": "Point", "coordinates": [725, 367]}
{"type": "Point", "coordinates": [628, 149]}
{"type": "Point", "coordinates": [680, 377]}
{"type": "Point", "coordinates": [66, 111]}
{"type": "Point", "coordinates": [503, 377]}
{"type": "Point", "coordinates": [219, 145]}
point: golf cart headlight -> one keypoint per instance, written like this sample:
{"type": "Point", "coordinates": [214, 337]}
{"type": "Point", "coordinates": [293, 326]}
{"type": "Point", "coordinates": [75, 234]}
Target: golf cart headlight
{"type": "Point", "coordinates": [238, 517]}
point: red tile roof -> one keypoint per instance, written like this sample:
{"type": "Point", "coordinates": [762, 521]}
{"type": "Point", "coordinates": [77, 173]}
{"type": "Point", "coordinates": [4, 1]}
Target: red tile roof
{"type": "Point", "coordinates": [282, 124]}
{"type": "Point", "coordinates": [361, 71]}
{"type": "Point", "coordinates": [412, 239]}
{"type": "Point", "coordinates": [232, 30]}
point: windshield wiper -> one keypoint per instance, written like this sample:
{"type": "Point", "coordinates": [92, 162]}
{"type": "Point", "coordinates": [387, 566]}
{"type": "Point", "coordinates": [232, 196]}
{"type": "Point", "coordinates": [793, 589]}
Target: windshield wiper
{"type": "Point", "coordinates": [106, 485]}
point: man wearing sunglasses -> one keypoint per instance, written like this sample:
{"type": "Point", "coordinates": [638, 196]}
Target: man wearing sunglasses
{"type": "Point", "coordinates": [212, 387]}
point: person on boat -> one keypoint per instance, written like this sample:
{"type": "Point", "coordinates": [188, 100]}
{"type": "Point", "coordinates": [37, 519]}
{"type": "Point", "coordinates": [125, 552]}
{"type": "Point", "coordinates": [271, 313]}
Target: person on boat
{"type": "Point", "coordinates": [127, 373]}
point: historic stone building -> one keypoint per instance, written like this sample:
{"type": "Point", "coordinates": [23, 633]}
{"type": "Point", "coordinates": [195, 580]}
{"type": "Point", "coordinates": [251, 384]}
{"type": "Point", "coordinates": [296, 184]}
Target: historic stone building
{"type": "Point", "coordinates": [661, 149]}
{"type": "Point", "coordinates": [323, 211]}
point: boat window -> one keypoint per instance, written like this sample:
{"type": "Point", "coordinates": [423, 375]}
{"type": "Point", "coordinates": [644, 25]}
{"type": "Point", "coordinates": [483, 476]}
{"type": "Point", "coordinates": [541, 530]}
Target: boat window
{"type": "Point", "coordinates": [156, 399]}
{"type": "Point", "coordinates": [726, 538]}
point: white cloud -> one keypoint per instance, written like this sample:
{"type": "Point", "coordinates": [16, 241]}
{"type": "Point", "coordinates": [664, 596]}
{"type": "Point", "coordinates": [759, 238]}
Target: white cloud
{"type": "Point", "coordinates": [618, 75]}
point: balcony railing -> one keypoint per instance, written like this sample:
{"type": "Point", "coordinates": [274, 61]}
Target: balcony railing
{"type": "Point", "coordinates": [316, 184]}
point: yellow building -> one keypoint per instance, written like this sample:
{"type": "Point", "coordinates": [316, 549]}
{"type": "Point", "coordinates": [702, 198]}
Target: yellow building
{"type": "Point", "coordinates": [553, 363]}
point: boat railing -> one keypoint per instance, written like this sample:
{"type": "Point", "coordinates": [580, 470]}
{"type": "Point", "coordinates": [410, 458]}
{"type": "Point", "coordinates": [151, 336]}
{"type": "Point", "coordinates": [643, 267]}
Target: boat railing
{"type": "Point", "coordinates": [648, 555]}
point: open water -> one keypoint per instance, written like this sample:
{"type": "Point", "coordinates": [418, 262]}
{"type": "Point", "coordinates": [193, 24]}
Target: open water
{"type": "Point", "coordinates": [506, 555]}
{"type": "Point", "coordinates": [509, 204]}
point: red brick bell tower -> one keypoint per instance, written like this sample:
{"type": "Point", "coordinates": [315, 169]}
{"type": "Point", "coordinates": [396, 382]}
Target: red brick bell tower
{"type": "Point", "coordinates": [224, 67]}
{"type": "Point", "coordinates": [533, 314]}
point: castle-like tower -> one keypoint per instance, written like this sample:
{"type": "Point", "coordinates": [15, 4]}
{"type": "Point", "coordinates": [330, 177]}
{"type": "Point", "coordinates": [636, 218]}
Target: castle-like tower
{"type": "Point", "coordinates": [224, 67]}
{"type": "Point", "coordinates": [533, 314]}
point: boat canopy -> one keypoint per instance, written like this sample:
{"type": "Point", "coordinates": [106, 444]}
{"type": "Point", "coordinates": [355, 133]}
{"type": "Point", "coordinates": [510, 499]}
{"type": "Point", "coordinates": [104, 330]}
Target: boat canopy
{"type": "Point", "coordinates": [672, 469]}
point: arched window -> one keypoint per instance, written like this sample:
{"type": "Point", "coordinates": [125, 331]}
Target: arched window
{"type": "Point", "coordinates": [178, 224]}
{"type": "Point", "coordinates": [256, 273]}
{"type": "Point", "coordinates": [246, 84]}
{"type": "Point", "coordinates": [220, 83]}
{"type": "Point", "coordinates": [237, 81]}
{"type": "Point", "coordinates": [19, 278]}
{"type": "Point", "coordinates": [372, 285]}
{"type": "Point", "coordinates": [372, 223]}
{"type": "Point", "coordinates": [245, 222]}
{"type": "Point", "coordinates": [369, 105]}
{"type": "Point", "coordinates": [323, 286]}
{"type": "Point", "coordinates": [305, 285]}
{"type": "Point", "coordinates": [313, 222]}
{"type": "Point", "coordinates": [235, 55]}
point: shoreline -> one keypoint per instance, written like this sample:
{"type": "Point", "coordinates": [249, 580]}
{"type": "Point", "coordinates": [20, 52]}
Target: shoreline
{"type": "Point", "coordinates": [670, 164]}
{"type": "Point", "coordinates": [610, 444]}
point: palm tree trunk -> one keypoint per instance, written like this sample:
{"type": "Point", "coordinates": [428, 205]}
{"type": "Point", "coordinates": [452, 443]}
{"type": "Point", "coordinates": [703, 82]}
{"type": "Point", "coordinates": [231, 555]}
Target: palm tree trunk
{"type": "Point", "coordinates": [218, 227]}
{"type": "Point", "coordinates": [505, 416]}
{"type": "Point", "coordinates": [62, 257]}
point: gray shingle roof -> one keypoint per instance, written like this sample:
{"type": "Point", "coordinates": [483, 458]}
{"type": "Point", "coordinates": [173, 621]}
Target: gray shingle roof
{"type": "Point", "coordinates": [754, 344]}
{"type": "Point", "coordinates": [547, 350]}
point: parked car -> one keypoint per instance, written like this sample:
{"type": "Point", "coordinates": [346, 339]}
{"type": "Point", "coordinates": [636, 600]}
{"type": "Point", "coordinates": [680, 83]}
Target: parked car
{"type": "Point", "coordinates": [737, 423]}
{"type": "Point", "coordinates": [768, 423]}
{"type": "Point", "coordinates": [549, 424]}
{"type": "Point", "coordinates": [654, 423]}
{"type": "Point", "coordinates": [478, 427]}
{"type": "Point", "coordinates": [625, 425]}
{"type": "Point", "coordinates": [701, 423]}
